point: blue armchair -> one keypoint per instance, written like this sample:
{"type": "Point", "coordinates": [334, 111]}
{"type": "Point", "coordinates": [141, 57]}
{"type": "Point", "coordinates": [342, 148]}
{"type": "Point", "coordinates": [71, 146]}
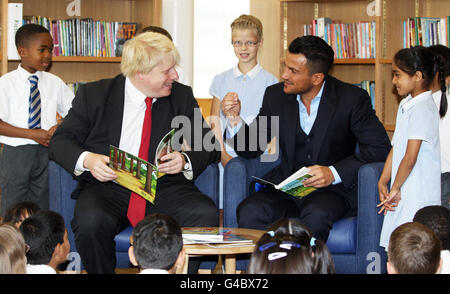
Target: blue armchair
{"type": "Point", "coordinates": [353, 241]}
{"type": "Point", "coordinates": [61, 185]}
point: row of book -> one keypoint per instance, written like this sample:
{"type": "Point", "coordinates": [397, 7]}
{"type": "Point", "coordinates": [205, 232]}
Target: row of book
{"type": "Point", "coordinates": [353, 40]}
{"type": "Point", "coordinates": [86, 37]}
{"type": "Point", "coordinates": [426, 31]}
{"type": "Point", "coordinates": [369, 86]}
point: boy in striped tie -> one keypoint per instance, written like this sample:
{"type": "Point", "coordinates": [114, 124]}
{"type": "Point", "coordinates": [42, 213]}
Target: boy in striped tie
{"type": "Point", "coordinates": [30, 97]}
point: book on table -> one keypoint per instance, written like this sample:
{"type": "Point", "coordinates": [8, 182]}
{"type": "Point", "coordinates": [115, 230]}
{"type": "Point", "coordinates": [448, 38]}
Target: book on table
{"type": "Point", "coordinates": [293, 185]}
{"type": "Point", "coordinates": [200, 235]}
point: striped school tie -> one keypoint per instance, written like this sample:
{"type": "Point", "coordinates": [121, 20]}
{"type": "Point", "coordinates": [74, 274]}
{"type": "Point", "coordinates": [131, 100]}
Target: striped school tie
{"type": "Point", "coordinates": [34, 120]}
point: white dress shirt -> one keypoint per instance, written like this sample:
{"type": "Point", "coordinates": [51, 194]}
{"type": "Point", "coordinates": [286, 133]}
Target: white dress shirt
{"type": "Point", "coordinates": [134, 108]}
{"type": "Point", "coordinates": [445, 256]}
{"type": "Point", "coordinates": [153, 271]}
{"type": "Point", "coordinates": [133, 119]}
{"type": "Point", "coordinates": [40, 269]}
{"type": "Point", "coordinates": [56, 96]}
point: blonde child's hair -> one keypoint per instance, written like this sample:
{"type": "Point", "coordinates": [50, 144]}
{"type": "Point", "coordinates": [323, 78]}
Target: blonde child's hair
{"type": "Point", "coordinates": [145, 51]}
{"type": "Point", "coordinates": [12, 251]}
{"type": "Point", "coordinates": [245, 22]}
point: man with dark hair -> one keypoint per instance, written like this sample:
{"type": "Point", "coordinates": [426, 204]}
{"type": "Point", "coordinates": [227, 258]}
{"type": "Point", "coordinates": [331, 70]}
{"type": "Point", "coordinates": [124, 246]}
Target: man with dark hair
{"type": "Point", "coordinates": [321, 122]}
{"type": "Point", "coordinates": [437, 218]}
{"type": "Point", "coordinates": [157, 245]}
{"type": "Point", "coordinates": [46, 235]}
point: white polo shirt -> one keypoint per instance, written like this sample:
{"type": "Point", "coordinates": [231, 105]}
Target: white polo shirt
{"type": "Point", "coordinates": [250, 88]}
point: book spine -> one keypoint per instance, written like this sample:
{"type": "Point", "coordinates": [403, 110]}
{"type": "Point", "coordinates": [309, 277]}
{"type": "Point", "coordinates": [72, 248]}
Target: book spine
{"type": "Point", "coordinates": [404, 34]}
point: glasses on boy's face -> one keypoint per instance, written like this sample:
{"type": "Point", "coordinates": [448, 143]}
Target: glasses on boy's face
{"type": "Point", "coordinates": [239, 44]}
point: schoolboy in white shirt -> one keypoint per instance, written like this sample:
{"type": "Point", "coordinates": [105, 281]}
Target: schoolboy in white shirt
{"type": "Point", "coordinates": [29, 101]}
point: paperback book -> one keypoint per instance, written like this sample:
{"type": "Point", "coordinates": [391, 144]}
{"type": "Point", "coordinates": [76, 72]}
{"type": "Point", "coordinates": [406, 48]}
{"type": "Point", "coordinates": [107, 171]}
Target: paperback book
{"type": "Point", "coordinates": [201, 235]}
{"type": "Point", "coordinates": [123, 32]}
{"type": "Point", "coordinates": [137, 174]}
{"type": "Point", "coordinates": [134, 173]}
{"type": "Point", "coordinates": [293, 185]}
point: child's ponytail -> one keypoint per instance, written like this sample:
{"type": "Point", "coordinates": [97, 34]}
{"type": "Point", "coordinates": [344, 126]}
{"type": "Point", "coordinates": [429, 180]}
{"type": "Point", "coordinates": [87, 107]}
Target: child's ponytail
{"type": "Point", "coordinates": [441, 68]}
{"type": "Point", "coordinates": [323, 261]}
{"type": "Point", "coordinates": [442, 73]}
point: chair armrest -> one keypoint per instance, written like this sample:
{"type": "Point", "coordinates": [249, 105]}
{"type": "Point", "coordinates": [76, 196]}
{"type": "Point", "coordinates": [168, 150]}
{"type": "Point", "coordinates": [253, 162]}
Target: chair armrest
{"type": "Point", "coordinates": [61, 186]}
{"type": "Point", "coordinates": [369, 222]}
{"type": "Point", "coordinates": [236, 183]}
{"type": "Point", "coordinates": [208, 182]}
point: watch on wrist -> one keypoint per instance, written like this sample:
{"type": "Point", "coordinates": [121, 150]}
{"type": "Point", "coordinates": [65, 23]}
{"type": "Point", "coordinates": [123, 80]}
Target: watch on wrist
{"type": "Point", "coordinates": [186, 166]}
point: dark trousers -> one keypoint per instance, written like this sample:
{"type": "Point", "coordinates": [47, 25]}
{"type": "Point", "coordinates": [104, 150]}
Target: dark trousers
{"type": "Point", "coordinates": [318, 211]}
{"type": "Point", "coordinates": [24, 176]}
{"type": "Point", "coordinates": [445, 189]}
{"type": "Point", "coordinates": [100, 214]}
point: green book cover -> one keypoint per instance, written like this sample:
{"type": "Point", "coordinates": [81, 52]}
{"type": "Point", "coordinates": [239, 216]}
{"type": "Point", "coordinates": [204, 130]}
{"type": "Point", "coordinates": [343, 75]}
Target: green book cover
{"type": "Point", "coordinates": [293, 185]}
{"type": "Point", "coordinates": [134, 173]}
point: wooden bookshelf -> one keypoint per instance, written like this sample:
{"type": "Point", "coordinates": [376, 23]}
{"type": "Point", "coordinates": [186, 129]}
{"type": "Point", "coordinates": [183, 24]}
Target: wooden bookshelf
{"type": "Point", "coordinates": [393, 14]}
{"type": "Point", "coordinates": [389, 127]}
{"type": "Point", "coordinates": [296, 13]}
{"type": "Point", "coordinates": [355, 61]}
{"type": "Point", "coordinates": [86, 59]}
{"type": "Point", "coordinates": [83, 68]}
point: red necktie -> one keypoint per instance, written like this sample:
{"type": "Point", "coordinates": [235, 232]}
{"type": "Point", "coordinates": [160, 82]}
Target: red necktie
{"type": "Point", "coordinates": [136, 207]}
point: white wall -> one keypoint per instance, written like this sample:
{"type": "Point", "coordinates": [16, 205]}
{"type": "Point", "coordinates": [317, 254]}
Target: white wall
{"type": "Point", "coordinates": [213, 52]}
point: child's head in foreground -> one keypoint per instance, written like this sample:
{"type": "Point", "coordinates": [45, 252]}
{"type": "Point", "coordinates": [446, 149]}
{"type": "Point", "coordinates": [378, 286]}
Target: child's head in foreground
{"type": "Point", "coordinates": [46, 235]}
{"type": "Point", "coordinates": [16, 214]}
{"type": "Point", "coordinates": [157, 243]}
{"type": "Point", "coordinates": [289, 248]}
{"type": "Point", "coordinates": [12, 251]}
{"type": "Point", "coordinates": [413, 249]}
{"type": "Point", "coordinates": [437, 218]}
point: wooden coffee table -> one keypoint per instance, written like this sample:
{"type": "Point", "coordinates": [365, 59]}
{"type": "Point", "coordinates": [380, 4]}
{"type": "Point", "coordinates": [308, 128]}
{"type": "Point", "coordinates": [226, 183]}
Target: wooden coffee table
{"type": "Point", "coordinates": [228, 252]}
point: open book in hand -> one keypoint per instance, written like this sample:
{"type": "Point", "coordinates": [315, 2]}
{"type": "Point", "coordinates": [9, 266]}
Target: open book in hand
{"type": "Point", "coordinates": [137, 174]}
{"type": "Point", "coordinates": [293, 185]}
{"type": "Point", "coordinates": [165, 146]}
{"type": "Point", "coordinates": [134, 173]}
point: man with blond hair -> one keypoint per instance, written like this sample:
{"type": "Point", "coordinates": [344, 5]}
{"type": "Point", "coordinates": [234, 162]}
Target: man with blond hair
{"type": "Point", "coordinates": [132, 111]}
